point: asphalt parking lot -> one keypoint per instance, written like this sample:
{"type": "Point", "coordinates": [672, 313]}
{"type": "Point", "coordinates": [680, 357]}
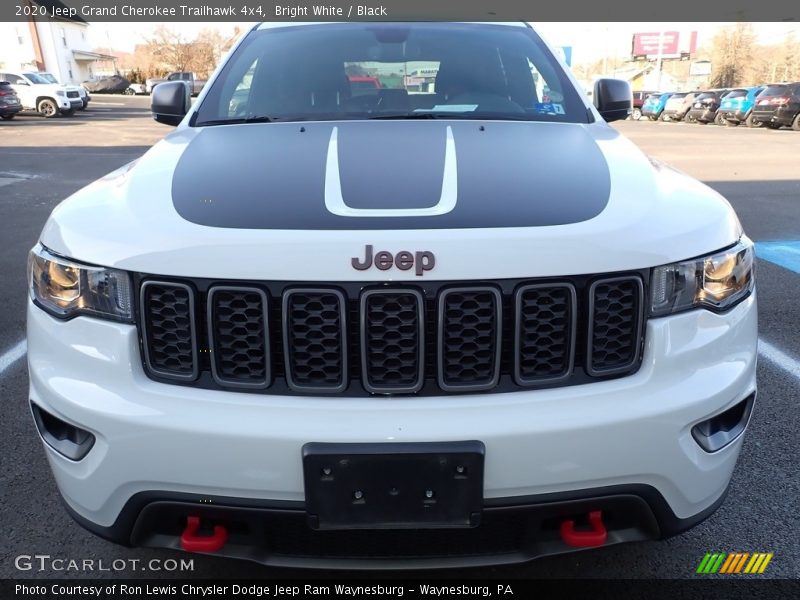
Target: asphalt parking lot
{"type": "Point", "coordinates": [42, 162]}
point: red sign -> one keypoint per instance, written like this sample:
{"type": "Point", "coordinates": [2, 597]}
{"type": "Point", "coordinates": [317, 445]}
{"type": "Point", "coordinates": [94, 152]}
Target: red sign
{"type": "Point", "coordinates": [647, 43]}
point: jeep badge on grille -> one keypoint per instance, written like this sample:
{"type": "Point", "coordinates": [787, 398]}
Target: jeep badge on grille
{"type": "Point", "coordinates": [422, 260]}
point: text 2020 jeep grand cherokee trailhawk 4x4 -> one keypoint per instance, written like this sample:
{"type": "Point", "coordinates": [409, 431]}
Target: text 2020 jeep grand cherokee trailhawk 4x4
{"type": "Point", "coordinates": [460, 320]}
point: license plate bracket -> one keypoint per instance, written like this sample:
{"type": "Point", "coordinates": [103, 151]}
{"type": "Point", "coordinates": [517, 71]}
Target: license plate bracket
{"type": "Point", "coordinates": [422, 485]}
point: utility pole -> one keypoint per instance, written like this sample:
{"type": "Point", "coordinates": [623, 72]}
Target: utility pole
{"type": "Point", "coordinates": [659, 58]}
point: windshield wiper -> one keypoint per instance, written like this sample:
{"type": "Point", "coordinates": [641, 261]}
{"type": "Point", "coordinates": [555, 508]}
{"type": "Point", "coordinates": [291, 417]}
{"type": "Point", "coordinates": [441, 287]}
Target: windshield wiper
{"type": "Point", "coordinates": [420, 115]}
{"type": "Point", "coordinates": [466, 116]}
{"type": "Point", "coordinates": [236, 121]}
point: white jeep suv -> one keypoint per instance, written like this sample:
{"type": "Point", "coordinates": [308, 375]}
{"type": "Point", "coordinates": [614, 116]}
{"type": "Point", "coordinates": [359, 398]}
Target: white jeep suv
{"type": "Point", "coordinates": [451, 317]}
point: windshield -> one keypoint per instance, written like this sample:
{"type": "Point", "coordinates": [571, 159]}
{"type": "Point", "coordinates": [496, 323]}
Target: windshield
{"type": "Point", "coordinates": [48, 77]}
{"type": "Point", "coordinates": [36, 78]}
{"type": "Point", "coordinates": [385, 71]}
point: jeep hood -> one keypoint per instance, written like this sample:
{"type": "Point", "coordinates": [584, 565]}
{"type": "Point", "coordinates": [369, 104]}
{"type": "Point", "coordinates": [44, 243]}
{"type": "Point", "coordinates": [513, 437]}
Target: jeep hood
{"type": "Point", "coordinates": [289, 201]}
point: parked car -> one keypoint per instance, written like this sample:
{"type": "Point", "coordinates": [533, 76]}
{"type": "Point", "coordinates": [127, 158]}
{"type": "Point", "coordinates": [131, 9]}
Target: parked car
{"type": "Point", "coordinates": [704, 107]}
{"type": "Point", "coordinates": [654, 105]}
{"type": "Point", "coordinates": [85, 97]}
{"type": "Point", "coordinates": [330, 319]}
{"type": "Point", "coordinates": [111, 84]}
{"type": "Point", "coordinates": [9, 102]}
{"type": "Point", "coordinates": [639, 98]}
{"type": "Point", "coordinates": [135, 89]}
{"type": "Point", "coordinates": [37, 93]}
{"type": "Point", "coordinates": [736, 107]}
{"type": "Point", "coordinates": [778, 106]}
{"type": "Point", "coordinates": [677, 106]}
{"type": "Point", "coordinates": [195, 84]}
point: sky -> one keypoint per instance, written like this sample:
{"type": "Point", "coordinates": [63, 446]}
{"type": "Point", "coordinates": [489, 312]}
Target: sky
{"type": "Point", "coordinates": [590, 41]}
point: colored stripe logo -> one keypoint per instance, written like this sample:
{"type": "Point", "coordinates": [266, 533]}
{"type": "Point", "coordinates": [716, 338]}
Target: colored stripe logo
{"type": "Point", "coordinates": [734, 563]}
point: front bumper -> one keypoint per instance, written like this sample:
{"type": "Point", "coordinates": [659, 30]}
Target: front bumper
{"type": "Point", "coordinates": [205, 443]}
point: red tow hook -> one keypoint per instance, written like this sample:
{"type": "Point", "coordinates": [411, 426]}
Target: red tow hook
{"type": "Point", "coordinates": [205, 543]}
{"type": "Point", "coordinates": [585, 539]}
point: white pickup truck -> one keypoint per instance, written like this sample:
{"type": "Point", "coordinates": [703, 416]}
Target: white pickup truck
{"type": "Point", "coordinates": [37, 93]}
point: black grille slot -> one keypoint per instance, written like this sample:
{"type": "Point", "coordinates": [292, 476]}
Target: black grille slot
{"type": "Point", "coordinates": [545, 332]}
{"type": "Point", "coordinates": [238, 336]}
{"type": "Point", "coordinates": [315, 344]}
{"type": "Point", "coordinates": [615, 324]}
{"type": "Point", "coordinates": [73, 95]}
{"type": "Point", "coordinates": [470, 327]}
{"type": "Point", "coordinates": [392, 340]}
{"type": "Point", "coordinates": [170, 341]}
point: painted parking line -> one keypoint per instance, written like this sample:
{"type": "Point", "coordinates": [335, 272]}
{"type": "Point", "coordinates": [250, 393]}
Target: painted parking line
{"type": "Point", "coordinates": [779, 358]}
{"type": "Point", "coordinates": [12, 355]}
{"type": "Point", "coordinates": [783, 253]}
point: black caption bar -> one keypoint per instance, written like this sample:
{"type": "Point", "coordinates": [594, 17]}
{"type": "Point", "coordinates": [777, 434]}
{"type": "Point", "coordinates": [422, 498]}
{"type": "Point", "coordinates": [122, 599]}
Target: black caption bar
{"type": "Point", "coordinates": [400, 10]}
{"type": "Point", "coordinates": [321, 589]}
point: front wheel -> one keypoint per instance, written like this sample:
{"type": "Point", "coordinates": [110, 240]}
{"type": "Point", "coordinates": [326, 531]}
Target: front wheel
{"type": "Point", "coordinates": [48, 108]}
{"type": "Point", "coordinates": [665, 118]}
{"type": "Point", "coordinates": [636, 114]}
{"type": "Point", "coordinates": [720, 120]}
{"type": "Point", "coordinates": [128, 92]}
{"type": "Point", "coordinates": [796, 122]}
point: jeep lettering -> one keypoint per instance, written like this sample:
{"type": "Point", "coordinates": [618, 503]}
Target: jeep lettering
{"type": "Point", "coordinates": [384, 260]}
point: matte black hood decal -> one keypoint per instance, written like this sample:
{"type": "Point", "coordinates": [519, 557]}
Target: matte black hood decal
{"type": "Point", "coordinates": [392, 175]}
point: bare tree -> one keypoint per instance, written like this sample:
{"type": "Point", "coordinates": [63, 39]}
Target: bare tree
{"type": "Point", "coordinates": [170, 48]}
{"type": "Point", "coordinates": [731, 55]}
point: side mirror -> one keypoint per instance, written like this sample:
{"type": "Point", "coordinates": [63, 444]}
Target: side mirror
{"type": "Point", "coordinates": [170, 102]}
{"type": "Point", "coordinates": [613, 99]}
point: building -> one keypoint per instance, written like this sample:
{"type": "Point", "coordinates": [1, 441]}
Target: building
{"type": "Point", "coordinates": [59, 46]}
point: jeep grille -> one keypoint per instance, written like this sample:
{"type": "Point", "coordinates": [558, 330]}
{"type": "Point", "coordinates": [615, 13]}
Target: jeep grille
{"type": "Point", "coordinates": [429, 338]}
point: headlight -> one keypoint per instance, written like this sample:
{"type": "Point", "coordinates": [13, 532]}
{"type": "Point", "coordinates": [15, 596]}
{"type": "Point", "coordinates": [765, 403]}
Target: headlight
{"type": "Point", "coordinates": [66, 289]}
{"type": "Point", "coordinates": [718, 281]}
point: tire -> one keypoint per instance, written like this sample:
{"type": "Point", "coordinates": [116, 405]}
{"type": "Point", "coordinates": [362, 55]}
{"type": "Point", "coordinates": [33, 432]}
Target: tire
{"type": "Point", "coordinates": [48, 108]}
{"type": "Point", "coordinates": [8, 117]}
{"type": "Point", "coordinates": [68, 112]}
{"type": "Point", "coordinates": [129, 92]}
{"type": "Point", "coordinates": [773, 125]}
{"type": "Point", "coordinates": [796, 122]}
{"type": "Point", "coordinates": [720, 120]}
{"type": "Point", "coordinates": [750, 123]}
{"type": "Point", "coordinates": [636, 114]}
{"type": "Point", "coordinates": [652, 117]}
{"type": "Point", "coordinates": [665, 118]}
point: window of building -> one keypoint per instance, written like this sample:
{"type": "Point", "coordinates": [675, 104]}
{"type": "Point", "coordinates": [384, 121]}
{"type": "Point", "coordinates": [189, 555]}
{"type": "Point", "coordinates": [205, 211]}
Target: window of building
{"type": "Point", "coordinates": [64, 37]}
